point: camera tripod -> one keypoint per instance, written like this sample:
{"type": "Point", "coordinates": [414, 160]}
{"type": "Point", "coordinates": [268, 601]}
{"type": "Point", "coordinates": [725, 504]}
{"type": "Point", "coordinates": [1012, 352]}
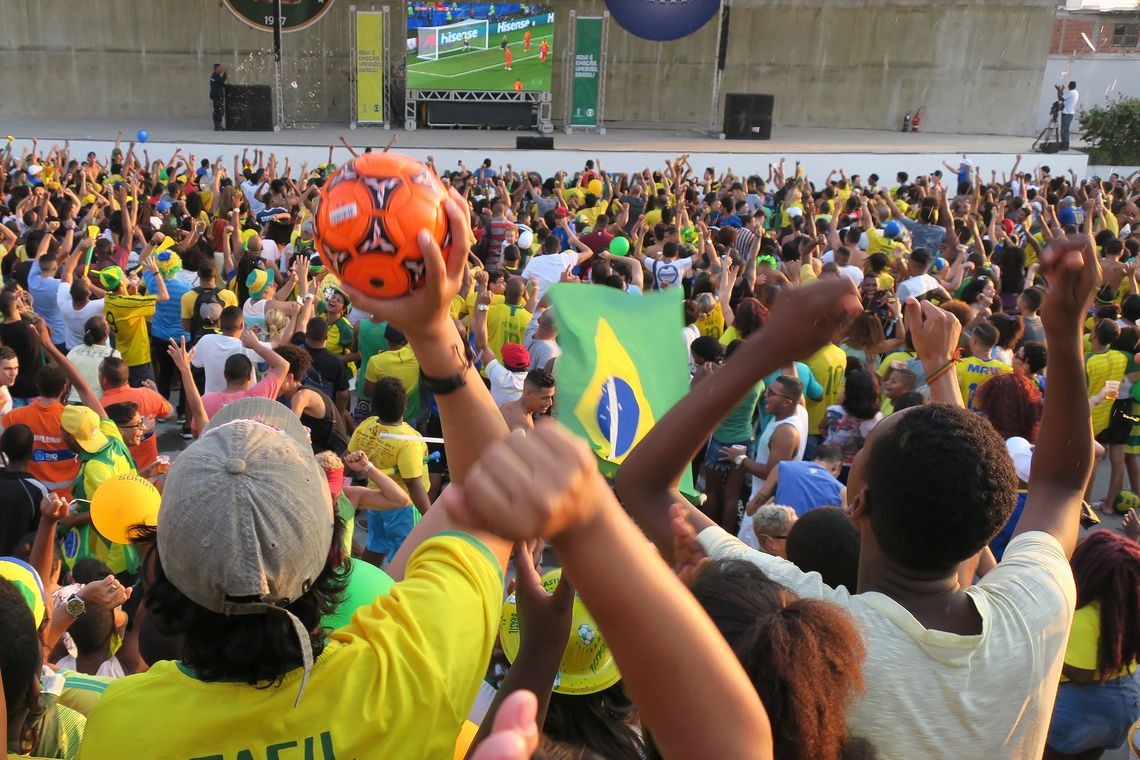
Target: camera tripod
{"type": "Point", "coordinates": [1049, 140]}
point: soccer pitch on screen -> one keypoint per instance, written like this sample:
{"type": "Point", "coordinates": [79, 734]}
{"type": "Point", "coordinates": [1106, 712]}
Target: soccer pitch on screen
{"type": "Point", "coordinates": [467, 46]}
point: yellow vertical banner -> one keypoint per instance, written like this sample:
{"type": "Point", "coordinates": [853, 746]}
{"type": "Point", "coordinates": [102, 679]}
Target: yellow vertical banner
{"type": "Point", "coordinates": [369, 66]}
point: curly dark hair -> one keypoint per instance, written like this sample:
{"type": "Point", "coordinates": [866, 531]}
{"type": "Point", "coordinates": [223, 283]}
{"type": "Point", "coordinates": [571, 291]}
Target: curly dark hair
{"type": "Point", "coordinates": [21, 655]}
{"type": "Point", "coordinates": [255, 649]}
{"type": "Point", "coordinates": [299, 359]}
{"type": "Point", "coordinates": [1012, 404]}
{"type": "Point", "coordinates": [750, 316]}
{"type": "Point", "coordinates": [1107, 570]}
{"type": "Point", "coordinates": [967, 491]}
{"type": "Point", "coordinates": [1009, 328]}
{"type": "Point", "coordinates": [825, 541]}
{"type": "Point", "coordinates": [804, 656]}
{"type": "Point", "coordinates": [861, 397]}
{"type": "Point", "coordinates": [598, 722]}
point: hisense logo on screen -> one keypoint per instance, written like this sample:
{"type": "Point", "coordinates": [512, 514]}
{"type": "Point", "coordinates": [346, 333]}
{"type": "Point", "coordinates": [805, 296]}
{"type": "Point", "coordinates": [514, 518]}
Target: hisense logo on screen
{"type": "Point", "coordinates": [480, 47]}
{"type": "Point", "coordinates": [470, 34]}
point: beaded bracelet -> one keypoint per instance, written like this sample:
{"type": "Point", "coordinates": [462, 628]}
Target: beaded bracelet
{"type": "Point", "coordinates": [941, 371]}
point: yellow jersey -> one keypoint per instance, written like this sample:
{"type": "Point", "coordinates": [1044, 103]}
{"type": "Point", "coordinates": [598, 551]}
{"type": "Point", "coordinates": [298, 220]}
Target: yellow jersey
{"type": "Point", "coordinates": [1099, 368]}
{"type": "Point", "coordinates": [127, 318]}
{"type": "Point", "coordinates": [404, 460]}
{"type": "Point", "coordinates": [712, 324]}
{"type": "Point", "coordinates": [506, 323]}
{"type": "Point", "coordinates": [412, 660]}
{"type": "Point", "coordinates": [403, 365]}
{"type": "Point", "coordinates": [972, 372]}
{"type": "Point", "coordinates": [1084, 642]}
{"type": "Point", "coordinates": [829, 366]}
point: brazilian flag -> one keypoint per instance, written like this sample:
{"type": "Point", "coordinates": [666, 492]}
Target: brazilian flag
{"type": "Point", "coordinates": [623, 365]}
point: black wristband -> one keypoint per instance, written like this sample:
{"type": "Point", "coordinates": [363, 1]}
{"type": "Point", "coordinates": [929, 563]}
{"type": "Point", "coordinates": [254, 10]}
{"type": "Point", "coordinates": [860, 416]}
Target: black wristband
{"type": "Point", "coordinates": [442, 386]}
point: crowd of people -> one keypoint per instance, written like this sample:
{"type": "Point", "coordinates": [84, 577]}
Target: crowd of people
{"type": "Point", "coordinates": [899, 393]}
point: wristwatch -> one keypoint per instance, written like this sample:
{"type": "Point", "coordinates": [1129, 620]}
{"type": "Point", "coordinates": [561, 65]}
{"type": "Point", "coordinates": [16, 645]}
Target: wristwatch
{"type": "Point", "coordinates": [739, 458]}
{"type": "Point", "coordinates": [441, 386]}
{"type": "Point", "coordinates": [75, 606]}
{"type": "Point", "coordinates": [482, 307]}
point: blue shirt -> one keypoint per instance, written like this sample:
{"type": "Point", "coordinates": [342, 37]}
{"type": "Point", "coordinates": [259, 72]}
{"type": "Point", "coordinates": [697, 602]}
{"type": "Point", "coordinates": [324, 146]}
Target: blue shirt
{"type": "Point", "coordinates": [805, 486]}
{"type": "Point", "coordinates": [44, 291]}
{"type": "Point", "coordinates": [167, 322]}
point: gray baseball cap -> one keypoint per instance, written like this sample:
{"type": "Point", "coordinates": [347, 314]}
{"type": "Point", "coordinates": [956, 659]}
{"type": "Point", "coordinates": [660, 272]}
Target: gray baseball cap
{"type": "Point", "coordinates": [247, 519]}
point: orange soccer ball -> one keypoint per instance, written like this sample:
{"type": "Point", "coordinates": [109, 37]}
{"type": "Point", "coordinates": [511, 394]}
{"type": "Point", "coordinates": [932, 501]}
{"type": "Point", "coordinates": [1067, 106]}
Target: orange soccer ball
{"type": "Point", "coordinates": [368, 216]}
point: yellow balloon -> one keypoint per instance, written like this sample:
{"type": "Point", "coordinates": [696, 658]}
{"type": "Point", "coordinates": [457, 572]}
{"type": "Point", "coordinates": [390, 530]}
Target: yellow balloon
{"type": "Point", "coordinates": [122, 502]}
{"type": "Point", "coordinates": [594, 186]}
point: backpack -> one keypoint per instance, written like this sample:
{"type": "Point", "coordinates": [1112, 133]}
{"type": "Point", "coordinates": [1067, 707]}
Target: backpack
{"type": "Point", "coordinates": [198, 326]}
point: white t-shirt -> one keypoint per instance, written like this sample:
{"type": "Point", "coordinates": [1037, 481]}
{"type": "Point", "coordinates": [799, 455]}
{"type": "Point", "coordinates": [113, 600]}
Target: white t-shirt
{"type": "Point", "coordinates": [914, 287]}
{"type": "Point", "coordinates": [108, 669]}
{"type": "Point", "coordinates": [505, 385]}
{"type": "Point", "coordinates": [75, 319]}
{"type": "Point", "coordinates": [933, 694]}
{"type": "Point", "coordinates": [250, 190]}
{"type": "Point", "coordinates": [211, 354]}
{"type": "Point", "coordinates": [87, 360]}
{"type": "Point", "coordinates": [853, 273]}
{"type": "Point", "coordinates": [1070, 106]}
{"type": "Point", "coordinates": [669, 273]}
{"type": "Point", "coordinates": [548, 268]}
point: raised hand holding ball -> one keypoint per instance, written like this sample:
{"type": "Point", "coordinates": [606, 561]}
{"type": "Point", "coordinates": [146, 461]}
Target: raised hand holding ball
{"type": "Point", "coordinates": [368, 216]}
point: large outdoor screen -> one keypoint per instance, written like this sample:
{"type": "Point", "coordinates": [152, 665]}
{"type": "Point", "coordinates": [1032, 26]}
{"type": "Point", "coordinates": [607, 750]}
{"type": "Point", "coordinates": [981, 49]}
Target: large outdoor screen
{"type": "Point", "coordinates": [480, 46]}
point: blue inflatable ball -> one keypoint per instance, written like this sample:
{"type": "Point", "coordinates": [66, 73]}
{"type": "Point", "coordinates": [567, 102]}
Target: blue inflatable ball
{"type": "Point", "coordinates": [143, 135]}
{"type": "Point", "coordinates": [662, 20]}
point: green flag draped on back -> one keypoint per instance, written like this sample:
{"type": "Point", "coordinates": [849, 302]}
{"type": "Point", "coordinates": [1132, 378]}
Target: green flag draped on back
{"type": "Point", "coordinates": [623, 365]}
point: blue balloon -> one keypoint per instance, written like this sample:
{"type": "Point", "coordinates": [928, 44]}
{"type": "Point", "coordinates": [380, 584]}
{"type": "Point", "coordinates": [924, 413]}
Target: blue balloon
{"type": "Point", "coordinates": [143, 135]}
{"type": "Point", "coordinates": [662, 21]}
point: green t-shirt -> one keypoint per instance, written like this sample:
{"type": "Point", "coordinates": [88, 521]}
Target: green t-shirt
{"type": "Point", "coordinates": [737, 426]}
{"type": "Point", "coordinates": [370, 341]}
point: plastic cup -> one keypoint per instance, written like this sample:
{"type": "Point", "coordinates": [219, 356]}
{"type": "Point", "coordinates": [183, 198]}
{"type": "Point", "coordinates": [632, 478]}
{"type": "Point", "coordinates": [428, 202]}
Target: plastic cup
{"type": "Point", "coordinates": [161, 464]}
{"type": "Point", "coordinates": [1111, 389]}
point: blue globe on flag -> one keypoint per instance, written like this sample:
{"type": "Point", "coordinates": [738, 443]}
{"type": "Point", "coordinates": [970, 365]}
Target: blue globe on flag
{"type": "Point", "coordinates": [618, 415]}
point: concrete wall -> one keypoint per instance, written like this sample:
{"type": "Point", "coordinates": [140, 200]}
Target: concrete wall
{"type": "Point", "coordinates": [1099, 79]}
{"type": "Point", "coordinates": [974, 65]}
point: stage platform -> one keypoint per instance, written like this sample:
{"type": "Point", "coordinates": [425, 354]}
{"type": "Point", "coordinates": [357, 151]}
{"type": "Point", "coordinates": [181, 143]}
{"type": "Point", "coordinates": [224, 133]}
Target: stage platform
{"type": "Point", "coordinates": [620, 149]}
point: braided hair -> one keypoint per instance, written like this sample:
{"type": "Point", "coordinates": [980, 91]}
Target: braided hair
{"type": "Point", "coordinates": [1107, 570]}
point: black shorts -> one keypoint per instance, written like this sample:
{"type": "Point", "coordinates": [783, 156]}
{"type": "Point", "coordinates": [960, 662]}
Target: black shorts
{"type": "Point", "coordinates": [1119, 425]}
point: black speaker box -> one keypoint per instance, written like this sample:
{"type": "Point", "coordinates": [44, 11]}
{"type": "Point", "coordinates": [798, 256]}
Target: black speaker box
{"type": "Point", "coordinates": [748, 117]}
{"type": "Point", "coordinates": [528, 142]}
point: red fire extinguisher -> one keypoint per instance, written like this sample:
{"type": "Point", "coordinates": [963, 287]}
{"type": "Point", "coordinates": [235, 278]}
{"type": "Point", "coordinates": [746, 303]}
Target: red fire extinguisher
{"type": "Point", "coordinates": [906, 122]}
{"type": "Point", "coordinates": [916, 121]}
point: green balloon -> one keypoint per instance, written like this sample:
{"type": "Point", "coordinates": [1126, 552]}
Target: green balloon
{"type": "Point", "coordinates": [619, 246]}
{"type": "Point", "coordinates": [366, 582]}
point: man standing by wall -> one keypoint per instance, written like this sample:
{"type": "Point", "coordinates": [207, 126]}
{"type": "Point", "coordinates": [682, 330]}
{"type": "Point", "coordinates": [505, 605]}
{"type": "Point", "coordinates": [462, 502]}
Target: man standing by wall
{"type": "Point", "coordinates": [218, 94]}
{"type": "Point", "coordinates": [1070, 97]}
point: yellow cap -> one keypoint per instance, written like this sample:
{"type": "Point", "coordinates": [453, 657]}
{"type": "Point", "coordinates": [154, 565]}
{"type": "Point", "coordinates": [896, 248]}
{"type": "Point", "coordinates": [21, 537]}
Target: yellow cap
{"type": "Point", "coordinates": [587, 664]}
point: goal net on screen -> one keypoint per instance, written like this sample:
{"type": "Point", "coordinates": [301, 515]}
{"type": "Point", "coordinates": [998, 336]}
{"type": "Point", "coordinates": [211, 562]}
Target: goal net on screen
{"type": "Point", "coordinates": [435, 41]}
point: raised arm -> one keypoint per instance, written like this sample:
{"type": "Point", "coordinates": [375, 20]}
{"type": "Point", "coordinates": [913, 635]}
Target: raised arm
{"type": "Point", "coordinates": [1062, 459]}
{"type": "Point", "coordinates": [471, 421]}
{"type": "Point", "coordinates": [705, 706]}
{"type": "Point", "coordinates": [805, 318]}
{"type": "Point", "coordinates": [86, 396]}
{"type": "Point", "coordinates": [195, 409]}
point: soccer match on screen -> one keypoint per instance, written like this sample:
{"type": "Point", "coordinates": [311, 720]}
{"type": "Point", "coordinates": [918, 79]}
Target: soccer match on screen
{"type": "Point", "coordinates": [480, 46]}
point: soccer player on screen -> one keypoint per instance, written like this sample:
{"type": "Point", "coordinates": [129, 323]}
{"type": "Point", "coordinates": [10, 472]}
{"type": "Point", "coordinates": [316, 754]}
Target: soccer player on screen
{"type": "Point", "coordinates": [466, 45]}
{"type": "Point", "coordinates": [503, 44]}
{"type": "Point", "coordinates": [543, 49]}
{"type": "Point", "coordinates": [518, 85]}
{"type": "Point", "coordinates": [507, 64]}
{"type": "Point", "coordinates": [526, 41]}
